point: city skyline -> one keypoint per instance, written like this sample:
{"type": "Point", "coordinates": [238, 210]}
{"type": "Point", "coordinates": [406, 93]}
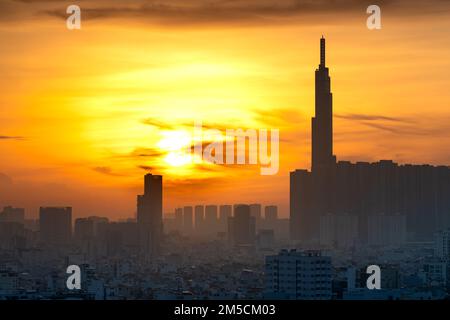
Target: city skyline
{"type": "Point", "coordinates": [79, 138]}
{"type": "Point", "coordinates": [214, 157]}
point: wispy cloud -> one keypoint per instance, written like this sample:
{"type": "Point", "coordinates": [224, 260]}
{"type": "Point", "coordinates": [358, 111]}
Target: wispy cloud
{"type": "Point", "coordinates": [4, 137]}
{"type": "Point", "coordinates": [107, 171]}
{"type": "Point", "coordinates": [369, 117]}
{"type": "Point", "coordinates": [411, 125]}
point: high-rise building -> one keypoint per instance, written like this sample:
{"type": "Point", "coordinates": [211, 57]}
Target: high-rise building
{"type": "Point", "coordinates": [55, 225]}
{"type": "Point", "coordinates": [149, 215]}
{"type": "Point", "coordinates": [225, 211]}
{"type": "Point", "coordinates": [211, 222]}
{"type": "Point", "coordinates": [84, 229]}
{"type": "Point", "coordinates": [302, 221]}
{"type": "Point", "coordinates": [13, 236]}
{"type": "Point", "coordinates": [322, 122]}
{"type": "Point", "coordinates": [256, 212]}
{"type": "Point", "coordinates": [179, 219]}
{"type": "Point", "coordinates": [10, 214]}
{"type": "Point", "coordinates": [199, 219]}
{"type": "Point", "coordinates": [188, 220]}
{"type": "Point", "coordinates": [241, 227]}
{"type": "Point", "coordinates": [271, 214]}
{"type": "Point", "coordinates": [90, 234]}
{"type": "Point", "coordinates": [298, 275]}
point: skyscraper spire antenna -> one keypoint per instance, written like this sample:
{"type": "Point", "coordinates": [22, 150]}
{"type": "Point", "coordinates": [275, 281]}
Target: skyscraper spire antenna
{"type": "Point", "coordinates": [322, 52]}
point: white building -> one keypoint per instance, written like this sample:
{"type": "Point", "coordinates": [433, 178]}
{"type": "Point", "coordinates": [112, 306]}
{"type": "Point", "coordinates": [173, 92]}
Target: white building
{"type": "Point", "coordinates": [298, 275]}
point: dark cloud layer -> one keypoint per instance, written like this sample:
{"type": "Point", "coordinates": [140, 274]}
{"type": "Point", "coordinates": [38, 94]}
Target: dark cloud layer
{"type": "Point", "coordinates": [175, 12]}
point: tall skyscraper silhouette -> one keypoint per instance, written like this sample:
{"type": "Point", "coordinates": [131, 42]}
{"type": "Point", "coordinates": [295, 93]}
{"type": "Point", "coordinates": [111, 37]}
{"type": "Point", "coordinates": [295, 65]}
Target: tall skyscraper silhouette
{"type": "Point", "coordinates": [362, 191]}
{"type": "Point", "coordinates": [322, 122]}
{"type": "Point", "coordinates": [149, 215]}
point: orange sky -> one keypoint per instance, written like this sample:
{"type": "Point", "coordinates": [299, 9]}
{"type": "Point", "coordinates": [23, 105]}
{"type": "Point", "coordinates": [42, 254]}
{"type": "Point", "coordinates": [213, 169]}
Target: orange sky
{"type": "Point", "coordinates": [85, 114]}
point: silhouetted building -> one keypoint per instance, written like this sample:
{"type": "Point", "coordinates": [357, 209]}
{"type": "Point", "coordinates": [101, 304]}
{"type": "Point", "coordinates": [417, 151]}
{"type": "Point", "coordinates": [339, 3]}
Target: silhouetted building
{"type": "Point", "coordinates": [149, 215]}
{"type": "Point", "coordinates": [85, 235]}
{"type": "Point", "coordinates": [12, 236]}
{"type": "Point", "coordinates": [271, 214]}
{"type": "Point", "coordinates": [199, 219]}
{"type": "Point", "coordinates": [302, 219]}
{"type": "Point", "coordinates": [419, 192]}
{"type": "Point", "coordinates": [225, 211]}
{"type": "Point", "coordinates": [84, 229]}
{"type": "Point", "coordinates": [188, 222]}
{"type": "Point", "coordinates": [10, 214]}
{"type": "Point", "coordinates": [124, 238]}
{"type": "Point", "coordinates": [211, 222]}
{"type": "Point", "coordinates": [241, 227]}
{"type": "Point", "coordinates": [255, 211]}
{"type": "Point", "coordinates": [55, 225]}
{"type": "Point", "coordinates": [179, 219]}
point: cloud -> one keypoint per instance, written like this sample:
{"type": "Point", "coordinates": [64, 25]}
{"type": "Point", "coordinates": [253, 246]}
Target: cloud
{"type": "Point", "coordinates": [411, 125]}
{"type": "Point", "coordinates": [369, 117]}
{"type": "Point", "coordinates": [142, 153]}
{"type": "Point", "coordinates": [107, 171]}
{"type": "Point", "coordinates": [220, 11]}
{"type": "Point", "coordinates": [279, 118]}
{"type": "Point", "coordinates": [158, 124]}
{"type": "Point", "coordinates": [213, 12]}
{"type": "Point", "coordinates": [146, 168]}
{"type": "Point", "coordinates": [2, 137]}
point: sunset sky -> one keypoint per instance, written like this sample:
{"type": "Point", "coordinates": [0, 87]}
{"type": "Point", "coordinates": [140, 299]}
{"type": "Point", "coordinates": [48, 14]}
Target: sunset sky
{"type": "Point", "coordinates": [84, 114]}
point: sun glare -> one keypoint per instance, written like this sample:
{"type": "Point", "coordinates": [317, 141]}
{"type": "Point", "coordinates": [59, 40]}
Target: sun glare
{"type": "Point", "coordinates": [177, 144]}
